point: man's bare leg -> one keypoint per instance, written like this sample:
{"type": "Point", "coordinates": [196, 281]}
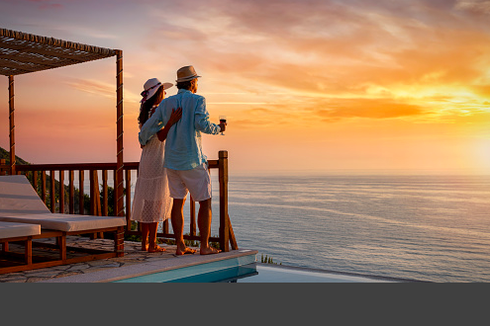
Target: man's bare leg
{"type": "Point", "coordinates": [204, 222]}
{"type": "Point", "coordinates": [177, 219]}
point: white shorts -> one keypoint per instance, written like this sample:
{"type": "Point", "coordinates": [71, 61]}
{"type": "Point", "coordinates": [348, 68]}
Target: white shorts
{"type": "Point", "coordinates": [196, 181]}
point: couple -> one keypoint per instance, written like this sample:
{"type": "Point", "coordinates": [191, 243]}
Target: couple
{"type": "Point", "coordinates": [171, 170]}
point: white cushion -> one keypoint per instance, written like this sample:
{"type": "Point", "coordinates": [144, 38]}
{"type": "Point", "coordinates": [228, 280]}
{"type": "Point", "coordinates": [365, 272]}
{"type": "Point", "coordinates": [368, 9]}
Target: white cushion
{"type": "Point", "coordinates": [18, 196]}
{"type": "Point", "coordinates": [13, 230]}
{"type": "Point", "coordinates": [66, 222]}
{"type": "Point", "coordinates": [20, 203]}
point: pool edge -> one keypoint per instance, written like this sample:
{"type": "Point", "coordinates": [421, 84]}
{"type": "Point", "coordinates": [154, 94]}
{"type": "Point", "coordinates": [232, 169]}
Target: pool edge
{"type": "Point", "coordinates": [159, 266]}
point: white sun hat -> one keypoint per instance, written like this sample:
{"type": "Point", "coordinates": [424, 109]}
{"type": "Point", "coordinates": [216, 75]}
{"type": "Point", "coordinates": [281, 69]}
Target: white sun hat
{"type": "Point", "coordinates": [151, 87]}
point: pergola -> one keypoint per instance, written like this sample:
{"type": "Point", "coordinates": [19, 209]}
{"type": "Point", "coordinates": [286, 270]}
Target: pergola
{"type": "Point", "coordinates": [22, 53]}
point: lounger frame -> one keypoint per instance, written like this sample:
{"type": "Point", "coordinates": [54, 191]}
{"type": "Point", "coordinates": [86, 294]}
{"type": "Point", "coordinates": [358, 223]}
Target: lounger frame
{"type": "Point", "coordinates": [12, 263]}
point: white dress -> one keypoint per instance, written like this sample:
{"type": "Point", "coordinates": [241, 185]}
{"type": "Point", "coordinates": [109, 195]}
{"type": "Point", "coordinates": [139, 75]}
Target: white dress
{"type": "Point", "coordinates": [152, 202]}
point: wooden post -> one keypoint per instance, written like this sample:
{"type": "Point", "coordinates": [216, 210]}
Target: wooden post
{"type": "Point", "coordinates": [72, 193]}
{"type": "Point", "coordinates": [61, 241]}
{"type": "Point", "coordinates": [114, 194]}
{"type": "Point", "coordinates": [95, 208]}
{"type": "Point", "coordinates": [128, 198]}
{"type": "Point", "coordinates": [28, 251]}
{"type": "Point", "coordinates": [2, 162]}
{"type": "Point", "coordinates": [105, 210]}
{"type": "Point", "coordinates": [12, 125]}
{"type": "Point", "coordinates": [192, 224]}
{"type": "Point", "coordinates": [119, 242]}
{"type": "Point", "coordinates": [93, 203]}
{"type": "Point", "coordinates": [62, 191]}
{"type": "Point", "coordinates": [224, 225]}
{"type": "Point", "coordinates": [35, 182]}
{"type": "Point", "coordinates": [52, 192]}
{"type": "Point", "coordinates": [43, 186]}
{"type": "Point", "coordinates": [81, 198]}
{"type": "Point", "coordinates": [119, 186]}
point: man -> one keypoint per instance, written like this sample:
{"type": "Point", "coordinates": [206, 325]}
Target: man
{"type": "Point", "coordinates": [185, 162]}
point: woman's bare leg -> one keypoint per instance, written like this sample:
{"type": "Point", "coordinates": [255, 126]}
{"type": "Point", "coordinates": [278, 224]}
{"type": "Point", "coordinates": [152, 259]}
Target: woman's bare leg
{"type": "Point", "coordinates": [144, 236]}
{"type": "Point", "coordinates": [153, 247]}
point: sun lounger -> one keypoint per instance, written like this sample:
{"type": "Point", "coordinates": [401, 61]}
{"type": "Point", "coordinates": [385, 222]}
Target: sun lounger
{"type": "Point", "coordinates": [20, 204]}
{"type": "Point", "coordinates": [16, 230]}
{"type": "Point", "coordinates": [10, 232]}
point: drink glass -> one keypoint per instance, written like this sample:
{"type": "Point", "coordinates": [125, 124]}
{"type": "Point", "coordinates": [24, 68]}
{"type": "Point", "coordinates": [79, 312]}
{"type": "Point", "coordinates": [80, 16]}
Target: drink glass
{"type": "Point", "coordinates": [222, 119]}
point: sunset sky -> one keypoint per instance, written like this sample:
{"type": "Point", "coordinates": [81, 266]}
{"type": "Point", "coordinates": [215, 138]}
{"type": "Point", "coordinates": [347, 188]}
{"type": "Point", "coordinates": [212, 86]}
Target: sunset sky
{"type": "Point", "coordinates": [306, 85]}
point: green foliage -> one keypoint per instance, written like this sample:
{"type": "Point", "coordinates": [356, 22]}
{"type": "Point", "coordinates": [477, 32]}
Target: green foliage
{"type": "Point", "coordinates": [66, 189]}
{"type": "Point", "coordinates": [4, 154]}
{"type": "Point", "coordinates": [268, 260]}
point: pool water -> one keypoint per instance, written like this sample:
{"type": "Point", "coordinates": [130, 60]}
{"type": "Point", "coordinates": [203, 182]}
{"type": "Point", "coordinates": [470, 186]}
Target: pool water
{"type": "Point", "coordinates": [250, 273]}
{"type": "Point", "coordinates": [281, 274]}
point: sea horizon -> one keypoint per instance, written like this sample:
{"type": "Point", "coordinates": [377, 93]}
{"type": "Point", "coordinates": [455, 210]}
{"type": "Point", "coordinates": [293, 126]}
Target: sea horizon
{"type": "Point", "coordinates": [355, 172]}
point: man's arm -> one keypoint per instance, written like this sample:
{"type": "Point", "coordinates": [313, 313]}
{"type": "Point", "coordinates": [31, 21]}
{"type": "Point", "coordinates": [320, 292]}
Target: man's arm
{"type": "Point", "coordinates": [202, 122]}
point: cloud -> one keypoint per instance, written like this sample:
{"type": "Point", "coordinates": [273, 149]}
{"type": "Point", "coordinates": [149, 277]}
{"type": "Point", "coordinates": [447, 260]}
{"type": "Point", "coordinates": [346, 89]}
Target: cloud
{"type": "Point", "coordinates": [482, 7]}
{"type": "Point", "coordinates": [47, 4]}
{"type": "Point", "coordinates": [381, 54]}
{"type": "Point", "coordinates": [173, 32]}
{"type": "Point", "coordinates": [103, 89]}
{"type": "Point", "coordinates": [368, 108]}
{"type": "Point", "coordinates": [93, 87]}
{"type": "Point", "coordinates": [339, 59]}
{"type": "Point", "coordinates": [326, 46]}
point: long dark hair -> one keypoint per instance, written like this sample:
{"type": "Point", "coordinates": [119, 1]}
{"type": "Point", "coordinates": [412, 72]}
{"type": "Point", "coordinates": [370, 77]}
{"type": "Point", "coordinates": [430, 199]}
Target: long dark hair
{"type": "Point", "coordinates": [147, 105]}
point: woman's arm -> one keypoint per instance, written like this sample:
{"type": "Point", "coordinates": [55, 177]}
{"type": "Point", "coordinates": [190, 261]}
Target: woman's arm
{"type": "Point", "coordinates": [149, 128]}
{"type": "Point", "coordinates": [174, 117]}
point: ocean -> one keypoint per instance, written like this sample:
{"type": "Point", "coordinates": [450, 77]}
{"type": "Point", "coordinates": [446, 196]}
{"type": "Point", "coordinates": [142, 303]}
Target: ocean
{"type": "Point", "coordinates": [433, 228]}
{"type": "Point", "coordinates": [427, 228]}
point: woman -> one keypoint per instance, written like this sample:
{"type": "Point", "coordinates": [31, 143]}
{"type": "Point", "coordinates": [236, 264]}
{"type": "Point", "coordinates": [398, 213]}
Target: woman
{"type": "Point", "coordinates": [152, 202]}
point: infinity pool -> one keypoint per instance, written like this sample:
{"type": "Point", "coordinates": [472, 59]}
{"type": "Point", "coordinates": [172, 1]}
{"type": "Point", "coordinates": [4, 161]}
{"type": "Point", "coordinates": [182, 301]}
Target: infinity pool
{"type": "Point", "coordinates": [280, 274]}
{"type": "Point", "coordinates": [250, 273]}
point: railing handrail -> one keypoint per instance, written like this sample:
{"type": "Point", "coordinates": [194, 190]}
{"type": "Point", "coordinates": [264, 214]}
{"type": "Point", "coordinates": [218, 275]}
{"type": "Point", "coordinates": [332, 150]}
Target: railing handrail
{"type": "Point", "coordinates": [213, 164]}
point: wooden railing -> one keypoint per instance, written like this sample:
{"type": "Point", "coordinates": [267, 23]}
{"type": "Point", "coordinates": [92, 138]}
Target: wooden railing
{"type": "Point", "coordinates": [48, 178]}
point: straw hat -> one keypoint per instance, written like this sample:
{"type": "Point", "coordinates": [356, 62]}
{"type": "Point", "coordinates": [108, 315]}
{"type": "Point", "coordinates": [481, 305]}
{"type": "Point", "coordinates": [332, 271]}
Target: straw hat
{"type": "Point", "coordinates": [151, 87]}
{"type": "Point", "coordinates": [186, 73]}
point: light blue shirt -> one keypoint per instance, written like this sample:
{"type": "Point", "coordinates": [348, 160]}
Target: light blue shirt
{"type": "Point", "coordinates": [183, 148]}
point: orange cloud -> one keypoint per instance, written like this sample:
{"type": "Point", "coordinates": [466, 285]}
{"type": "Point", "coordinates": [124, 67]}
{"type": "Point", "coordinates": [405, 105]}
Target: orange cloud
{"type": "Point", "coordinates": [368, 108]}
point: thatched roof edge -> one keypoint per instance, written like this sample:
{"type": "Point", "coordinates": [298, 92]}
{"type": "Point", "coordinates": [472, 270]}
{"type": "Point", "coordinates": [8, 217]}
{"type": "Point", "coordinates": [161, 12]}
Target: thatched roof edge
{"type": "Point", "coordinates": [56, 42]}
